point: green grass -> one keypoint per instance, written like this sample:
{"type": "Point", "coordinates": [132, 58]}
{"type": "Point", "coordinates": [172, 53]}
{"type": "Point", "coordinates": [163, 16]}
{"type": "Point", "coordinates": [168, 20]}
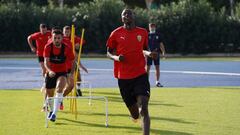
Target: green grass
{"type": "Point", "coordinates": [174, 111]}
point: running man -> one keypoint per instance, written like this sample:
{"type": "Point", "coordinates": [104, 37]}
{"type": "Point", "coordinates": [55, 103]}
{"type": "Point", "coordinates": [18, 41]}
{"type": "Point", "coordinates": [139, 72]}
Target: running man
{"type": "Point", "coordinates": [41, 39]}
{"type": "Point", "coordinates": [130, 44]}
{"type": "Point", "coordinates": [56, 53]}
{"type": "Point", "coordinates": [155, 44]}
{"type": "Point", "coordinates": [70, 78]}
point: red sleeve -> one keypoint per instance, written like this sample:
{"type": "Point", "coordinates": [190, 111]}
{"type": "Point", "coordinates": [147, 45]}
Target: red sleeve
{"type": "Point", "coordinates": [111, 42]}
{"type": "Point", "coordinates": [78, 40]}
{"type": "Point", "coordinates": [46, 52]}
{"type": "Point", "coordinates": [34, 35]}
{"type": "Point", "coordinates": [69, 54]}
{"type": "Point", "coordinates": [146, 40]}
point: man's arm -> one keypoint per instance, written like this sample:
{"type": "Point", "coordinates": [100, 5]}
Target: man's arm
{"type": "Point", "coordinates": [29, 39]}
{"type": "Point", "coordinates": [114, 57]}
{"type": "Point", "coordinates": [47, 66]}
{"type": "Point", "coordinates": [84, 68]}
{"type": "Point", "coordinates": [152, 54]}
{"type": "Point", "coordinates": [162, 49]}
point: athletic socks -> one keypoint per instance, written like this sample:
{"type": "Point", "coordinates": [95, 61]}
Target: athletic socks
{"type": "Point", "coordinates": [57, 102]}
{"type": "Point", "coordinates": [50, 102]}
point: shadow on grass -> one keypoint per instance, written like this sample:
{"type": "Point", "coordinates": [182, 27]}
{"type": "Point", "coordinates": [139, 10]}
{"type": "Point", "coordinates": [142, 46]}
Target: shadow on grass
{"type": "Point", "coordinates": [119, 99]}
{"type": "Point", "coordinates": [229, 88]}
{"type": "Point", "coordinates": [163, 104]}
{"type": "Point", "coordinates": [107, 93]}
{"type": "Point", "coordinates": [152, 118]}
{"type": "Point", "coordinates": [126, 115]}
{"type": "Point", "coordinates": [116, 97]}
{"type": "Point", "coordinates": [136, 129]}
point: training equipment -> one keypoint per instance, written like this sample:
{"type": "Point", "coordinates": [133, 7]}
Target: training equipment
{"type": "Point", "coordinates": [53, 116]}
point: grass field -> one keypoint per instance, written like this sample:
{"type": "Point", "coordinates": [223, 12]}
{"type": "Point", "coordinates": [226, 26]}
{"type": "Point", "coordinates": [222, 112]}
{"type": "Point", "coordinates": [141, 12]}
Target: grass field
{"type": "Point", "coordinates": [174, 111]}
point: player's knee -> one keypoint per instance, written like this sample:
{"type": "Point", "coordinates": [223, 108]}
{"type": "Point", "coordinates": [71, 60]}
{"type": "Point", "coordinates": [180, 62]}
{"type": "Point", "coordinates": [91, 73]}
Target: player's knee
{"type": "Point", "coordinates": [135, 115]}
{"type": "Point", "coordinates": [144, 111]}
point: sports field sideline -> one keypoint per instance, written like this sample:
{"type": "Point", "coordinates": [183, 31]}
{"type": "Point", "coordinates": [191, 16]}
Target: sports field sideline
{"type": "Point", "coordinates": [174, 111]}
{"type": "Point", "coordinates": [26, 74]}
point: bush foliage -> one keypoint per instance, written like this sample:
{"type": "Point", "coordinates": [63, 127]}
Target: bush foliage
{"type": "Point", "coordinates": [186, 26]}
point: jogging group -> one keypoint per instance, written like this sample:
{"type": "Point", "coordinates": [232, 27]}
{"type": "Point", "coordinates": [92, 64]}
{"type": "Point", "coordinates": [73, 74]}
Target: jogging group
{"type": "Point", "coordinates": [133, 50]}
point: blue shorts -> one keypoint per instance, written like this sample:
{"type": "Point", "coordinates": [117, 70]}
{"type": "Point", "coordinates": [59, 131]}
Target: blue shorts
{"type": "Point", "coordinates": [150, 60]}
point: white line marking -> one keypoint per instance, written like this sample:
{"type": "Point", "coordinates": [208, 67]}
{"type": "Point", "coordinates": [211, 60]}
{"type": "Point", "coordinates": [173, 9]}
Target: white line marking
{"type": "Point", "coordinates": [162, 71]}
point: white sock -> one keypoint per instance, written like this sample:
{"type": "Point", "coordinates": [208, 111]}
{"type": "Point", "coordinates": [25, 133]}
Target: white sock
{"type": "Point", "coordinates": [57, 102]}
{"type": "Point", "coordinates": [50, 102]}
{"type": "Point", "coordinates": [157, 82]}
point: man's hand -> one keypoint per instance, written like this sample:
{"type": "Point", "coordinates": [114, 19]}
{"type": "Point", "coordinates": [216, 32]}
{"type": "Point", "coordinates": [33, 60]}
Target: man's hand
{"type": "Point", "coordinates": [163, 56]}
{"type": "Point", "coordinates": [33, 49]}
{"type": "Point", "coordinates": [153, 54]}
{"type": "Point", "coordinates": [51, 74]}
{"type": "Point", "coordinates": [121, 58]}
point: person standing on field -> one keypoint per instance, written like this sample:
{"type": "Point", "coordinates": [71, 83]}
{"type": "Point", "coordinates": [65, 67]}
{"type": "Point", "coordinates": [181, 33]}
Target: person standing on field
{"type": "Point", "coordinates": [155, 44]}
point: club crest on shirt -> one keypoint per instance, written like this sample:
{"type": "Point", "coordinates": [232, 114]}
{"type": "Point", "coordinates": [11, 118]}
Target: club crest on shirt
{"type": "Point", "coordinates": [139, 38]}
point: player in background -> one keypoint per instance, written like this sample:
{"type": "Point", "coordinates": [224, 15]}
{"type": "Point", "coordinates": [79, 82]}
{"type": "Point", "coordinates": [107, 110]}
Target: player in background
{"type": "Point", "coordinates": [41, 38]}
{"type": "Point", "coordinates": [155, 44]}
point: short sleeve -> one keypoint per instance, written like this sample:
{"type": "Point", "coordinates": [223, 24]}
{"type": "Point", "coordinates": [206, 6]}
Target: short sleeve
{"type": "Point", "coordinates": [34, 35]}
{"type": "Point", "coordinates": [146, 40]}
{"type": "Point", "coordinates": [69, 53]}
{"type": "Point", "coordinates": [111, 42]}
{"type": "Point", "coordinates": [46, 52]}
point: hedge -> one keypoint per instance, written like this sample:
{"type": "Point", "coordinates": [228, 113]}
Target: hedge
{"type": "Point", "coordinates": [186, 27]}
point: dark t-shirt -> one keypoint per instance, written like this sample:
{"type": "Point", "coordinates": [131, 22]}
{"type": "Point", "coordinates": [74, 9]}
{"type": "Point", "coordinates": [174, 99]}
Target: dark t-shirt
{"type": "Point", "coordinates": [154, 40]}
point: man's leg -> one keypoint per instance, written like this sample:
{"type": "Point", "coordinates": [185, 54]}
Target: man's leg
{"type": "Point", "coordinates": [50, 93]}
{"type": "Point", "coordinates": [157, 68]}
{"type": "Point", "coordinates": [149, 63]}
{"type": "Point", "coordinates": [43, 68]}
{"type": "Point", "coordinates": [148, 69]}
{"type": "Point", "coordinates": [157, 72]}
{"type": "Point", "coordinates": [142, 102]}
{"type": "Point", "coordinates": [79, 92]}
{"type": "Point", "coordinates": [43, 89]}
{"type": "Point", "coordinates": [69, 86]}
{"type": "Point", "coordinates": [61, 83]}
{"type": "Point", "coordinates": [133, 109]}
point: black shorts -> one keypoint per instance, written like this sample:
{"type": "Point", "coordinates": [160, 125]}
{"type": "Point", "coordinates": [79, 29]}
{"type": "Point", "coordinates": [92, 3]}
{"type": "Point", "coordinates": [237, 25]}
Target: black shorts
{"type": "Point", "coordinates": [40, 59]}
{"type": "Point", "coordinates": [51, 82]}
{"type": "Point", "coordinates": [131, 88]}
{"type": "Point", "coordinates": [69, 71]}
{"type": "Point", "coordinates": [156, 61]}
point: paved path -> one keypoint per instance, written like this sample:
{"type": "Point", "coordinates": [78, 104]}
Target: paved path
{"type": "Point", "coordinates": [25, 73]}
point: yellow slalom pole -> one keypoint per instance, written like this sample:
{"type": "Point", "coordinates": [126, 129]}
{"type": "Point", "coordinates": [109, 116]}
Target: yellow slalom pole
{"type": "Point", "coordinates": [73, 47]}
{"type": "Point", "coordinates": [78, 63]}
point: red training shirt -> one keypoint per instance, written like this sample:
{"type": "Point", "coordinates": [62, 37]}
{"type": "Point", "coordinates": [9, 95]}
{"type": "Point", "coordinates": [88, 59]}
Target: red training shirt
{"type": "Point", "coordinates": [130, 44]}
{"type": "Point", "coordinates": [67, 52]}
{"type": "Point", "coordinates": [41, 41]}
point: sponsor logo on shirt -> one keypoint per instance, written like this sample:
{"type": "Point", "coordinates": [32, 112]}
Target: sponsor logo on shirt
{"type": "Point", "coordinates": [139, 38]}
{"type": "Point", "coordinates": [122, 37]}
